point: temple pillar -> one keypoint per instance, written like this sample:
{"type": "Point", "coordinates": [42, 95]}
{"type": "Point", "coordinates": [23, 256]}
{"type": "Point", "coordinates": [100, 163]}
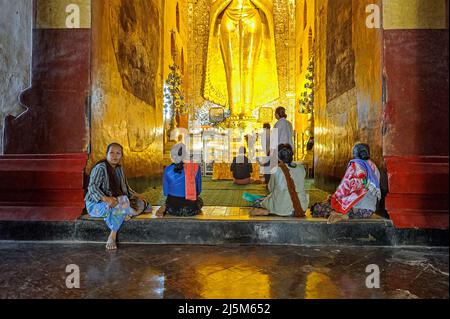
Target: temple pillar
{"type": "Point", "coordinates": [415, 125]}
{"type": "Point", "coordinates": [46, 146]}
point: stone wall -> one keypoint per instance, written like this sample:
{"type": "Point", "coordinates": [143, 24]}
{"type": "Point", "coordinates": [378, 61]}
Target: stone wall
{"type": "Point", "coordinates": [55, 120]}
{"type": "Point", "coordinates": [15, 56]}
{"type": "Point", "coordinates": [348, 103]}
{"type": "Point", "coordinates": [126, 70]}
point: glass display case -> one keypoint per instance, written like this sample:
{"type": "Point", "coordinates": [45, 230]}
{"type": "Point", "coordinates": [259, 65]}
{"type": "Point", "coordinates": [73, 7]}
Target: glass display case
{"type": "Point", "coordinates": [216, 147]}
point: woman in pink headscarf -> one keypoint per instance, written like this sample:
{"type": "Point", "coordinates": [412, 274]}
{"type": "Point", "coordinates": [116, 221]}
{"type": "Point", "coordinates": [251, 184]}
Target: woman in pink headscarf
{"type": "Point", "coordinates": [358, 193]}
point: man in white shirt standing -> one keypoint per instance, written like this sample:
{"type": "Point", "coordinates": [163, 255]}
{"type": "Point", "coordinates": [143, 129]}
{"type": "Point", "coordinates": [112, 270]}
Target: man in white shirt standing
{"type": "Point", "coordinates": [285, 131]}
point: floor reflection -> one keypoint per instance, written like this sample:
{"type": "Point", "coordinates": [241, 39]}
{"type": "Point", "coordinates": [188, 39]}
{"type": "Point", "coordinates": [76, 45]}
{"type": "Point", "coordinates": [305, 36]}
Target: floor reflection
{"type": "Point", "coordinates": [320, 286]}
{"type": "Point", "coordinates": [103, 279]}
{"type": "Point", "coordinates": [190, 272]}
{"type": "Point", "coordinates": [241, 282]}
{"type": "Point", "coordinates": [152, 283]}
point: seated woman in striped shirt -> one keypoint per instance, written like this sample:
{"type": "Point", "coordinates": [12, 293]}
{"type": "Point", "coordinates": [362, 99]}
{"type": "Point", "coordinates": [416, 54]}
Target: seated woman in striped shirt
{"type": "Point", "coordinates": [109, 196]}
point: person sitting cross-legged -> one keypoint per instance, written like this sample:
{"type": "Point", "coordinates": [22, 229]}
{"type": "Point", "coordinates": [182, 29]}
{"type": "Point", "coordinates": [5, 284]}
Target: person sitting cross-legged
{"type": "Point", "coordinates": [182, 184]}
{"type": "Point", "coordinates": [358, 193]}
{"type": "Point", "coordinates": [242, 169]}
{"type": "Point", "coordinates": [286, 186]}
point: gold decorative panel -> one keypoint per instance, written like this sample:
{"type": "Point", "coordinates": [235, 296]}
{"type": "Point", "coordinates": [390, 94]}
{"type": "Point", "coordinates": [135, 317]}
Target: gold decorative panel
{"type": "Point", "coordinates": [265, 115]}
{"type": "Point", "coordinates": [414, 14]}
{"type": "Point", "coordinates": [216, 114]}
{"type": "Point", "coordinates": [126, 104]}
{"type": "Point", "coordinates": [53, 14]}
{"type": "Point", "coordinates": [356, 114]}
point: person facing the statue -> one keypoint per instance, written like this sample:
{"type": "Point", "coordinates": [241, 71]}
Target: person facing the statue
{"type": "Point", "coordinates": [284, 127]}
{"type": "Point", "coordinates": [241, 67]}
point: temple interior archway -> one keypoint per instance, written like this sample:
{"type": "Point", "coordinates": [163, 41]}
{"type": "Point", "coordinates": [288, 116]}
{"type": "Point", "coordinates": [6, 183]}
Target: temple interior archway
{"type": "Point", "coordinates": [144, 72]}
{"type": "Point", "coordinates": [328, 69]}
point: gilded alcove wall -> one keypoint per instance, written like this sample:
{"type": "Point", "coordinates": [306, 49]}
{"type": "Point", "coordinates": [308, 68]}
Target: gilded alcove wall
{"type": "Point", "coordinates": [126, 95]}
{"type": "Point", "coordinates": [348, 77]}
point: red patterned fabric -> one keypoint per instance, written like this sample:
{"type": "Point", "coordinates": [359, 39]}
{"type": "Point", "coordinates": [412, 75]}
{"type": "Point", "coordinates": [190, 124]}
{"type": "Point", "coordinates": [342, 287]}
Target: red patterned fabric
{"type": "Point", "coordinates": [351, 190]}
{"type": "Point", "coordinates": [190, 171]}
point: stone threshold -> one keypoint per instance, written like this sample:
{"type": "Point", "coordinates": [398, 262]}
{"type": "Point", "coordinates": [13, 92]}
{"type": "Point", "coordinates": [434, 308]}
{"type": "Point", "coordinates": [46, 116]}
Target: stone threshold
{"type": "Point", "coordinates": [239, 214]}
{"type": "Point", "coordinates": [221, 226]}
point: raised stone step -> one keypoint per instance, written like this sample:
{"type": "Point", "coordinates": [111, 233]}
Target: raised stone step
{"type": "Point", "coordinates": [42, 186]}
{"type": "Point", "coordinates": [221, 229]}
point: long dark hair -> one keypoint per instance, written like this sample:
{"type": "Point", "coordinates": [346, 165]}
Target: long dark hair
{"type": "Point", "coordinates": [114, 184]}
{"type": "Point", "coordinates": [286, 154]}
{"type": "Point", "coordinates": [179, 166]}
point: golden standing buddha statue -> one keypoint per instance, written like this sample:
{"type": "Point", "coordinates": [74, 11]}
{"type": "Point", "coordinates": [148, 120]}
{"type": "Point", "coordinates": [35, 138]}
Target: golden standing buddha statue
{"type": "Point", "coordinates": [241, 67]}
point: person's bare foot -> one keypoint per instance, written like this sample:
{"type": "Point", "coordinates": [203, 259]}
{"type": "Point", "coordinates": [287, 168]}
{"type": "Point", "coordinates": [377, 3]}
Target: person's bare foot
{"type": "Point", "coordinates": [111, 243]}
{"type": "Point", "coordinates": [161, 211]}
{"type": "Point", "coordinates": [336, 218]}
{"type": "Point", "coordinates": [258, 212]}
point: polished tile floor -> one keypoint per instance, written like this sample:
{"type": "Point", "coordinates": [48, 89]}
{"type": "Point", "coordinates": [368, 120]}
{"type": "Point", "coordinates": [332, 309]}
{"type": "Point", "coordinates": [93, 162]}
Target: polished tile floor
{"type": "Point", "coordinates": [38, 270]}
